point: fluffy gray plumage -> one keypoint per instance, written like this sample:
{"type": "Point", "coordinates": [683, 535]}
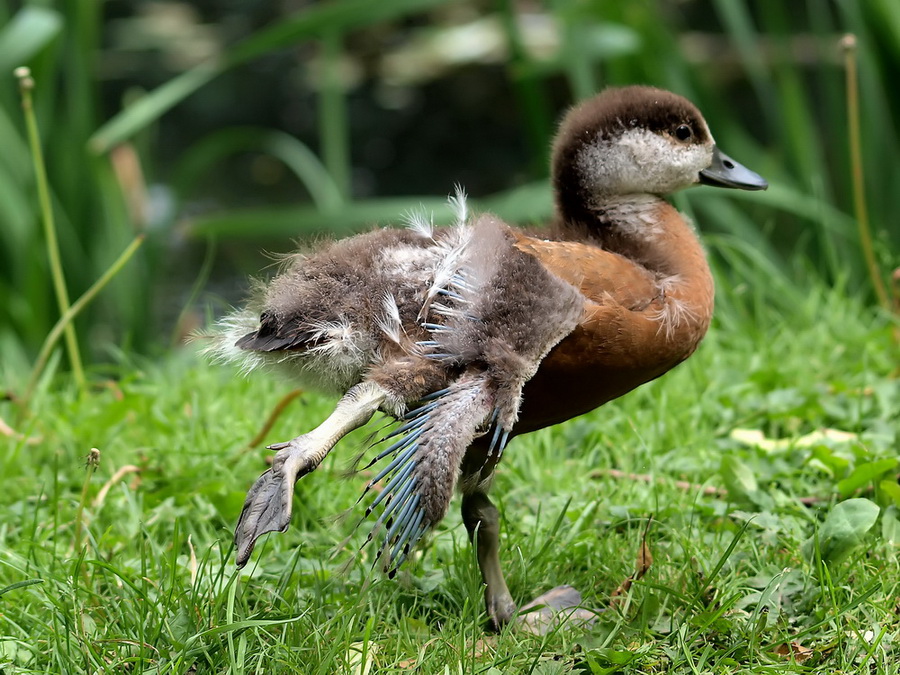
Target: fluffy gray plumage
{"type": "Point", "coordinates": [458, 311]}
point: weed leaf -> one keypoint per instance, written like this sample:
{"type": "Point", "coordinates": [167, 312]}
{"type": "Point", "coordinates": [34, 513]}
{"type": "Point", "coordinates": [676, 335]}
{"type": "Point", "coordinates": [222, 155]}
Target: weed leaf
{"type": "Point", "coordinates": [843, 530]}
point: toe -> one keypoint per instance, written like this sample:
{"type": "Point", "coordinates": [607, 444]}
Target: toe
{"type": "Point", "coordinates": [501, 611]}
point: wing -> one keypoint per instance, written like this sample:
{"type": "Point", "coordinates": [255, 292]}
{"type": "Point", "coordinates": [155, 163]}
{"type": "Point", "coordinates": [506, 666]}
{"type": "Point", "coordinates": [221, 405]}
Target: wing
{"type": "Point", "coordinates": [617, 344]}
{"type": "Point", "coordinates": [602, 277]}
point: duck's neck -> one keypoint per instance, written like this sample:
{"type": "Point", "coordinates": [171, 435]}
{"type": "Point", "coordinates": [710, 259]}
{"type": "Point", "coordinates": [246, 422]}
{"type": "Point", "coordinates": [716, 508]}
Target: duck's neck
{"type": "Point", "coordinates": [653, 234]}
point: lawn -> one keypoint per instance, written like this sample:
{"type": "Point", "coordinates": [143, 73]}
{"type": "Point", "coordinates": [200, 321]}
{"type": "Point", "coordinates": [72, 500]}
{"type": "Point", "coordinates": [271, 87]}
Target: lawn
{"type": "Point", "coordinates": [759, 562]}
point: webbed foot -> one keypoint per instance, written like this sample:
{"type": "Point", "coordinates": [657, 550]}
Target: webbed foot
{"type": "Point", "coordinates": [558, 606]}
{"type": "Point", "coordinates": [270, 500]}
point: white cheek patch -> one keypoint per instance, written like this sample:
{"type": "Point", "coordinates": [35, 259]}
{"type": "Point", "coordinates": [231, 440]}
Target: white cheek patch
{"type": "Point", "coordinates": [660, 165]}
{"type": "Point", "coordinates": [641, 162]}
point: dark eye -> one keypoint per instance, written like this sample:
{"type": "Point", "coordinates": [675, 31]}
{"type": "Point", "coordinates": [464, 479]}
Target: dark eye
{"type": "Point", "coordinates": [683, 132]}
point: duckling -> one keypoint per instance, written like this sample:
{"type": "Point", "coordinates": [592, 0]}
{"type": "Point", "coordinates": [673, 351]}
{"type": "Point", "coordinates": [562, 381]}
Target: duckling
{"type": "Point", "coordinates": [472, 334]}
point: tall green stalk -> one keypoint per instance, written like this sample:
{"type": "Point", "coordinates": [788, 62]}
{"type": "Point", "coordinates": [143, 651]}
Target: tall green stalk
{"type": "Point", "coordinates": [848, 43]}
{"type": "Point", "coordinates": [26, 85]}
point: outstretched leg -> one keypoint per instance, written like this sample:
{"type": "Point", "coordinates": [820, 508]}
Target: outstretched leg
{"type": "Point", "coordinates": [268, 504]}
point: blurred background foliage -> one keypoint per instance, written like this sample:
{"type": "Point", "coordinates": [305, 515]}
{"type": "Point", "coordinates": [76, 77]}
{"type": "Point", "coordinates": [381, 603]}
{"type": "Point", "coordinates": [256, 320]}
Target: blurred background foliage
{"type": "Point", "coordinates": [224, 129]}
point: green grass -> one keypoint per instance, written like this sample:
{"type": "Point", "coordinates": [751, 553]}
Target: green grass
{"type": "Point", "coordinates": [154, 588]}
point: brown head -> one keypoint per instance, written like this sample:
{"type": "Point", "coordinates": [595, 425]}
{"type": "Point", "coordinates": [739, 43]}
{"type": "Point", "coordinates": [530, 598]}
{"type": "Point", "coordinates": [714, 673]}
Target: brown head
{"type": "Point", "coordinates": [636, 140]}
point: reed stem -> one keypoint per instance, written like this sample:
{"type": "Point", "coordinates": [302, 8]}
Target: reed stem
{"type": "Point", "coordinates": [26, 85]}
{"type": "Point", "coordinates": [848, 44]}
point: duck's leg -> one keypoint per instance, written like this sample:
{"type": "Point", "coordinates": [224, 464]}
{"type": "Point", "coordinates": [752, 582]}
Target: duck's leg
{"type": "Point", "coordinates": [268, 504]}
{"type": "Point", "coordinates": [539, 616]}
{"type": "Point", "coordinates": [483, 524]}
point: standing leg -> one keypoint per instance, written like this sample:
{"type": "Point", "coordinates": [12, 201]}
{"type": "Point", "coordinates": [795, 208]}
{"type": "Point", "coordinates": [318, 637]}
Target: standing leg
{"type": "Point", "coordinates": [268, 504]}
{"type": "Point", "coordinates": [483, 523]}
{"type": "Point", "coordinates": [539, 616]}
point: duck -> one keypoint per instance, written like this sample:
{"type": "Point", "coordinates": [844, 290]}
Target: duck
{"type": "Point", "coordinates": [472, 334]}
